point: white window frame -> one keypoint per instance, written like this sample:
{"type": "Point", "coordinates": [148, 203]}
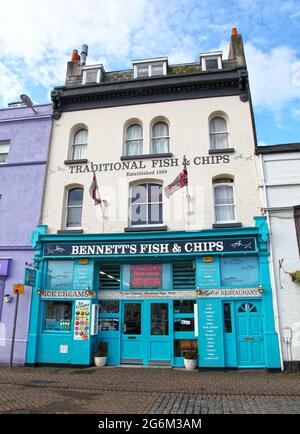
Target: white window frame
{"type": "Point", "coordinates": [211, 56]}
{"type": "Point", "coordinates": [217, 133]}
{"type": "Point", "coordinates": [153, 62]}
{"type": "Point", "coordinates": [67, 207]}
{"type": "Point", "coordinates": [133, 140]}
{"type": "Point", "coordinates": [216, 183]}
{"type": "Point", "coordinates": [73, 146]}
{"type": "Point", "coordinates": [145, 203]}
{"type": "Point", "coordinates": [159, 137]}
{"type": "Point", "coordinates": [86, 69]}
{"type": "Point", "coordinates": [4, 143]}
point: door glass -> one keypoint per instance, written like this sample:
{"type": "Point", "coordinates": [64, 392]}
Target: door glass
{"type": "Point", "coordinates": [227, 318]}
{"type": "Point", "coordinates": [132, 318]}
{"type": "Point", "coordinates": [159, 319]}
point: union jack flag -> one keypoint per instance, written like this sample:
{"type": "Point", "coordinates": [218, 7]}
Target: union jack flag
{"type": "Point", "coordinates": [179, 182]}
{"type": "Point", "coordinates": [94, 190]}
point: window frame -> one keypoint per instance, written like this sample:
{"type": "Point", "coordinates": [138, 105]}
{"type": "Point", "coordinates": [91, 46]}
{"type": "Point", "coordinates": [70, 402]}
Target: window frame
{"type": "Point", "coordinates": [162, 121]}
{"type": "Point", "coordinates": [132, 124]}
{"type": "Point", "coordinates": [149, 65]}
{"type": "Point", "coordinates": [216, 183]}
{"type": "Point", "coordinates": [213, 134]}
{"type": "Point", "coordinates": [130, 224]}
{"type": "Point", "coordinates": [67, 207]}
{"type": "Point", "coordinates": [4, 143]}
{"type": "Point", "coordinates": [211, 56]}
{"type": "Point", "coordinates": [89, 68]}
{"type": "Point", "coordinates": [73, 145]}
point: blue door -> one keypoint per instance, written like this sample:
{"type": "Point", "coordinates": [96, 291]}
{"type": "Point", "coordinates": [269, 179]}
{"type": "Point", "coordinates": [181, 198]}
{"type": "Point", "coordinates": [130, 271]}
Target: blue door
{"type": "Point", "coordinates": [229, 335]}
{"type": "Point", "coordinates": [132, 333]}
{"type": "Point", "coordinates": [159, 340]}
{"type": "Point", "coordinates": [249, 333]}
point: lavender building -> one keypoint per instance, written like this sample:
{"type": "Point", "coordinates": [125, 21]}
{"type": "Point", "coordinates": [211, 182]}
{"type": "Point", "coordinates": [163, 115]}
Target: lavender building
{"type": "Point", "coordinates": [24, 141]}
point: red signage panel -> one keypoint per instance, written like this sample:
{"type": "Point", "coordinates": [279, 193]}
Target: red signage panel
{"type": "Point", "coordinates": [146, 276]}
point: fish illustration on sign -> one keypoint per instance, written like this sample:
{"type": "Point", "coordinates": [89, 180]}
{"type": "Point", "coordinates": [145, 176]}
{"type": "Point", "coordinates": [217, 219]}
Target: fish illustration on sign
{"type": "Point", "coordinates": [240, 244]}
{"type": "Point", "coordinates": [56, 250]}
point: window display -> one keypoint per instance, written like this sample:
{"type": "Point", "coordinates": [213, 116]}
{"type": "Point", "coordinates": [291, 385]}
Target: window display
{"type": "Point", "coordinates": [58, 316]}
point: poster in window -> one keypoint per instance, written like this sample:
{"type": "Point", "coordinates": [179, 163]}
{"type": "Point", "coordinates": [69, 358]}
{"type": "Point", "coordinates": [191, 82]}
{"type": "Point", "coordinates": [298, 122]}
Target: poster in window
{"type": "Point", "coordinates": [146, 276]}
{"type": "Point", "coordinates": [82, 320]}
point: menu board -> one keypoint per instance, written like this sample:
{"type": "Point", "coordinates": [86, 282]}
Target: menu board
{"type": "Point", "coordinates": [209, 273]}
{"type": "Point", "coordinates": [146, 276]}
{"type": "Point", "coordinates": [109, 324]}
{"type": "Point", "coordinates": [211, 343]}
{"type": "Point", "coordinates": [82, 276]}
{"type": "Point", "coordinates": [82, 320]}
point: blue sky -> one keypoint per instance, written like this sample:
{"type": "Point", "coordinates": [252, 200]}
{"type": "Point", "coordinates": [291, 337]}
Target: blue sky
{"type": "Point", "coordinates": [37, 37]}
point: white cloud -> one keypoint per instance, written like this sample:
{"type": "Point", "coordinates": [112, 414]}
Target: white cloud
{"type": "Point", "coordinates": [11, 85]}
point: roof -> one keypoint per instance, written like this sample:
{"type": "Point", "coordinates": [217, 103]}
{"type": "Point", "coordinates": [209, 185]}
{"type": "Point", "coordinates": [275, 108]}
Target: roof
{"type": "Point", "coordinates": [276, 149]}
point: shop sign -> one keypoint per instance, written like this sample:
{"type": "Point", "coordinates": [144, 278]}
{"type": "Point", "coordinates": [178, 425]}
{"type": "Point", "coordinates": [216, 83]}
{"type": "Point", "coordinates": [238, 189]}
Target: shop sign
{"type": "Point", "coordinates": [230, 292]}
{"type": "Point", "coordinates": [122, 295]}
{"type": "Point", "coordinates": [68, 293]}
{"type": "Point", "coordinates": [199, 246]}
{"type": "Point", "coordinates": [146, 276]}
{"type": "Point", "coordinates": [30, 277]}
{"type": "Point", "coordinates": [82, 320]}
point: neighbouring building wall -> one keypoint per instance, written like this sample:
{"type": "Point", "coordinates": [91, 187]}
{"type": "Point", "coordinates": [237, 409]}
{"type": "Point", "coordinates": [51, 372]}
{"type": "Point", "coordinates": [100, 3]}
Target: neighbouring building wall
{"type": "Point", "coordinates": [280, 192]}
{"type": "Point", "coordinates": [22, 178]}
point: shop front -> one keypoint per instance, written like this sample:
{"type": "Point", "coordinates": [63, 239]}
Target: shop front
{"type": "Point", "coordinates": [154, 297]}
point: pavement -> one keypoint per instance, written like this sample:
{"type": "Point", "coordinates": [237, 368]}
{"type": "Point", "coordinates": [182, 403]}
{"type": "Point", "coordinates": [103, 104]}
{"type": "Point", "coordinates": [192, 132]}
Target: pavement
{"type": "Point", "coordinates": [146, 390]}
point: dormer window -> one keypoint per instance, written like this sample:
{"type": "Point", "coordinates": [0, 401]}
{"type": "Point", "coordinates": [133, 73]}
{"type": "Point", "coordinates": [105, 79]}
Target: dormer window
{"type": "Point", "coordinates": [150, 68]}
{"type": "Point", "coordinates": [211, 61]}
{"type": "Point", "coordinates": [92, 74]}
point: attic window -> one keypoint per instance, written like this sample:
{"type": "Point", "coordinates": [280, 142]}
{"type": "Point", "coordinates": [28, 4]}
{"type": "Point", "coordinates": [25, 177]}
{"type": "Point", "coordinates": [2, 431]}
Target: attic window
{"type": "Point", "coordinates": [150, 69]}
{"type": "Point", "coordinates": [92, 75]}
{"type": "Point", "coordinates": [211, 61]}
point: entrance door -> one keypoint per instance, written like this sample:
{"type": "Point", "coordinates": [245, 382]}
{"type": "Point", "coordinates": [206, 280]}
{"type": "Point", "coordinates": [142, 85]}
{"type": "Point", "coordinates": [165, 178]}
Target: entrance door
{"type": "Point", "coordinates": [159, 347]}
{"type": "Point", "coordinates": [249, 332]}
{"type": "Point", "coordinates": [132, 338]}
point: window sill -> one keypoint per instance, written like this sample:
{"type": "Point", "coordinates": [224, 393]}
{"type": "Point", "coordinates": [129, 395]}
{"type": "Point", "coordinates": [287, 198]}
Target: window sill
{"type": "Point", "coordinates": [146, 156]}
{"type": "Point", "coordinates": [70, 231]}
{"type": "Point", "coordinates": [76, 161]}
{"type": "Point", "coordinates": [221, 151]}
{"type": "Point", "coordinates": [146, 229]}
{"type": "Point", "coordinates": [227, 225]}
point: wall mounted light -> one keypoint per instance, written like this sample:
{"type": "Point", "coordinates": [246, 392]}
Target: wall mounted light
{"type": "Point", "coordinates": [260, 289]}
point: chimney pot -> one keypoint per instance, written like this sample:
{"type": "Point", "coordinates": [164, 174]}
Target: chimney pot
{"type": "Point", "coordinates": [75, 56]}
{"type": "Point", "coordinates": [234, 31]}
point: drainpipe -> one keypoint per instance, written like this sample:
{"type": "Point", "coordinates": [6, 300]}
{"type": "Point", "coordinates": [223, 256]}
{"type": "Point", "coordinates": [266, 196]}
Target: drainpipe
{"type": "Point", "coordinates": [272, 268]}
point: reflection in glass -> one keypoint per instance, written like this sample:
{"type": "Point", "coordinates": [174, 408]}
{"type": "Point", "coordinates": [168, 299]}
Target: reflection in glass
{"type": "Point", "coordinates": [183, 306]}
{"type": "Point", "coordinates": [59, 275]}
{"type": "Point", "coordinates": [58, 315]}
{"type": "Point", "coordinates": [159, 319]}
{"type": "Point", "coordinates": [184, 325]}
{"type": "Point", "coordinates": [109, 306]}
{"type": "Point", "coordinates": [227, 318]}
{"type": "Point", "coordinates": [181, 346]}
{"type": "Point", "coordinates": [132, 318]}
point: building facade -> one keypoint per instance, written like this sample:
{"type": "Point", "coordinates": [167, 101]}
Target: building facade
{"type": "Point", "coordinates": [152, 274]}
{"type": "Point", "coordinates": [24, 142]}
{"type": "Point", "coordinates": [280, 196]}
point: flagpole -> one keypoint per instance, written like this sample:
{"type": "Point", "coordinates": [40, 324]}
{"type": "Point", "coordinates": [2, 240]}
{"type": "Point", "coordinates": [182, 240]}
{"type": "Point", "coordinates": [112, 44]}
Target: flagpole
{"type": "Point", "coordinates": [184, 163]}
{"type": "Point", "coordinates": [102, 209]}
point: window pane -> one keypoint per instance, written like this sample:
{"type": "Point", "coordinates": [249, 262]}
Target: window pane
{"type": "Point", "coordinates": [4, 148]}
{"type": "Point", "coordinates": [184, 325]}
{"type": "Point", "coordinates": [227, 318]}
{"type": "Point", "coordinates": [183, 306]}
{"type": "Point", "coordinates": [160, 129]}
{"type": "Point", "coordinates": [3, 158]}
{"type": "Point", "coordinates": [159, 319]}
{"type": "Point", "coordinates": [219, 140]}
{"type": "Point", "coordinates": [132, 318]}
{"type": "Point", "coordinates": [74, 217]}
{"type": "Point", "coordinates": [239, 271]}
{"type": "Point", "coordinates": [139, 193]}
{"type": "Point", "coordinates": [79, 152]}
{"type": "Point", "coordinates": [223, 195]}
{"type": "Point", "coordinates": [155, 192]}
{"type": "Point", "coordinates": [59, 275]}
{"type": "Point", "coordinates": [109, 306]}
{"type": "Point", "coordinates": [75, 197]}
{"type": "Point", "coordinates": [143, 71]}
{"type": "Point", "coordinates": [155, 214]}
{"type": "Point", "coordinates": [157, 70]}
{"type": "Point", "coordinates": [81, 137]}
{"type": "Point", "coordinates": [181, 346]}
{"type": "Point", "coordinates": [211, 64]}
{"type": "Point", "coordinates": [109, 324]}
{"type": "Point", "coordinates": [225, 213]}
{"type": "Point", "coordinates": [58, 315]}
{"type": "Point", "coordinates": [134, 132]}
{"type": "Point", "coordinates": [139, 214]}
{"type": "Point", "coordinates": [160, 146]}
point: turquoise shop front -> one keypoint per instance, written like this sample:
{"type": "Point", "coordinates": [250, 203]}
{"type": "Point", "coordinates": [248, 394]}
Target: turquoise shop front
{"type": "Point", "coordinates": [153, 297]}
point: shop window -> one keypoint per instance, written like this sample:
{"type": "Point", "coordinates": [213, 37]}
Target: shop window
{"type": "Point", "coordinates": [109, 306]}
{"type": "Point", "coordinates": [247, 307]}
{"type": "Point", "coordinates": [58, 316]}
{"type": "Point", "coordinates": [160, 138]}
{"type": "Point", "coordinates": [239, 271]}
{"type": "Point", "coordinates": [74, 208]}
{"type": "Point", "coordinates": [181, 346]}
{"type": "Point", "coordinates": [109, 324]}
{"type": "Point", "coordinates": [134, 140]}
{"type": "Point", "coordinates": [159, 319]}
{"type": "Point", "coordinates": [59, 275]}
{"type": "Point", "coordinates": [227, 318]}
{"type": "Point", "coordinates": [224, 200]}
{"type": "Point", "coordinates": [109, 277]}
{"type": "Point", "coordinates": [183, 306]}
{"type": "Point", "coordinates": [79, 145]}
{"type": "Point", "coordinates": [184, 325]}
{"type": "Point", "coordinates": [184, 275]}
{"type": "Point", "coordinates": [4, 149]}
{"type": "Point", "coordinates": [218, 132]}
{"type": "Point", "coordinates": [146, 204]}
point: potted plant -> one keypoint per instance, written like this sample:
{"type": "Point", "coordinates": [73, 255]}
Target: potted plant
{"type": "Point", "coordinates": [100, 356]}
{"type": "Point", "coordinates": [190, 360]}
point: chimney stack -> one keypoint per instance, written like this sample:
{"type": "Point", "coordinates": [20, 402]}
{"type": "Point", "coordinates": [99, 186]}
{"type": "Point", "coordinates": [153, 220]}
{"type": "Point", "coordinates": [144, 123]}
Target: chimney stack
{"type": "Point", "coordinates": [236, 48]}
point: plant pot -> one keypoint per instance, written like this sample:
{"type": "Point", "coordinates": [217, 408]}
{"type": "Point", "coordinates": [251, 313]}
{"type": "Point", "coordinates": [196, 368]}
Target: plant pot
{"type": "Point", "coordinates": [190, 364]}
{"type": "Point", "coordinates": [100, 361]}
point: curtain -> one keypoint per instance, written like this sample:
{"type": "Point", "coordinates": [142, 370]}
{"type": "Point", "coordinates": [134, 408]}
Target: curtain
{"type": "Point", "coordinates": [224, 203]}
{"type": "Point", "coordinates": [134, 140]}
{"type": "Point", "coordinates": [79, 145]}
{"type": "Point", "coordinates": [218, 133]}
{"type": "Point", "coordinates": [160, 138]}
